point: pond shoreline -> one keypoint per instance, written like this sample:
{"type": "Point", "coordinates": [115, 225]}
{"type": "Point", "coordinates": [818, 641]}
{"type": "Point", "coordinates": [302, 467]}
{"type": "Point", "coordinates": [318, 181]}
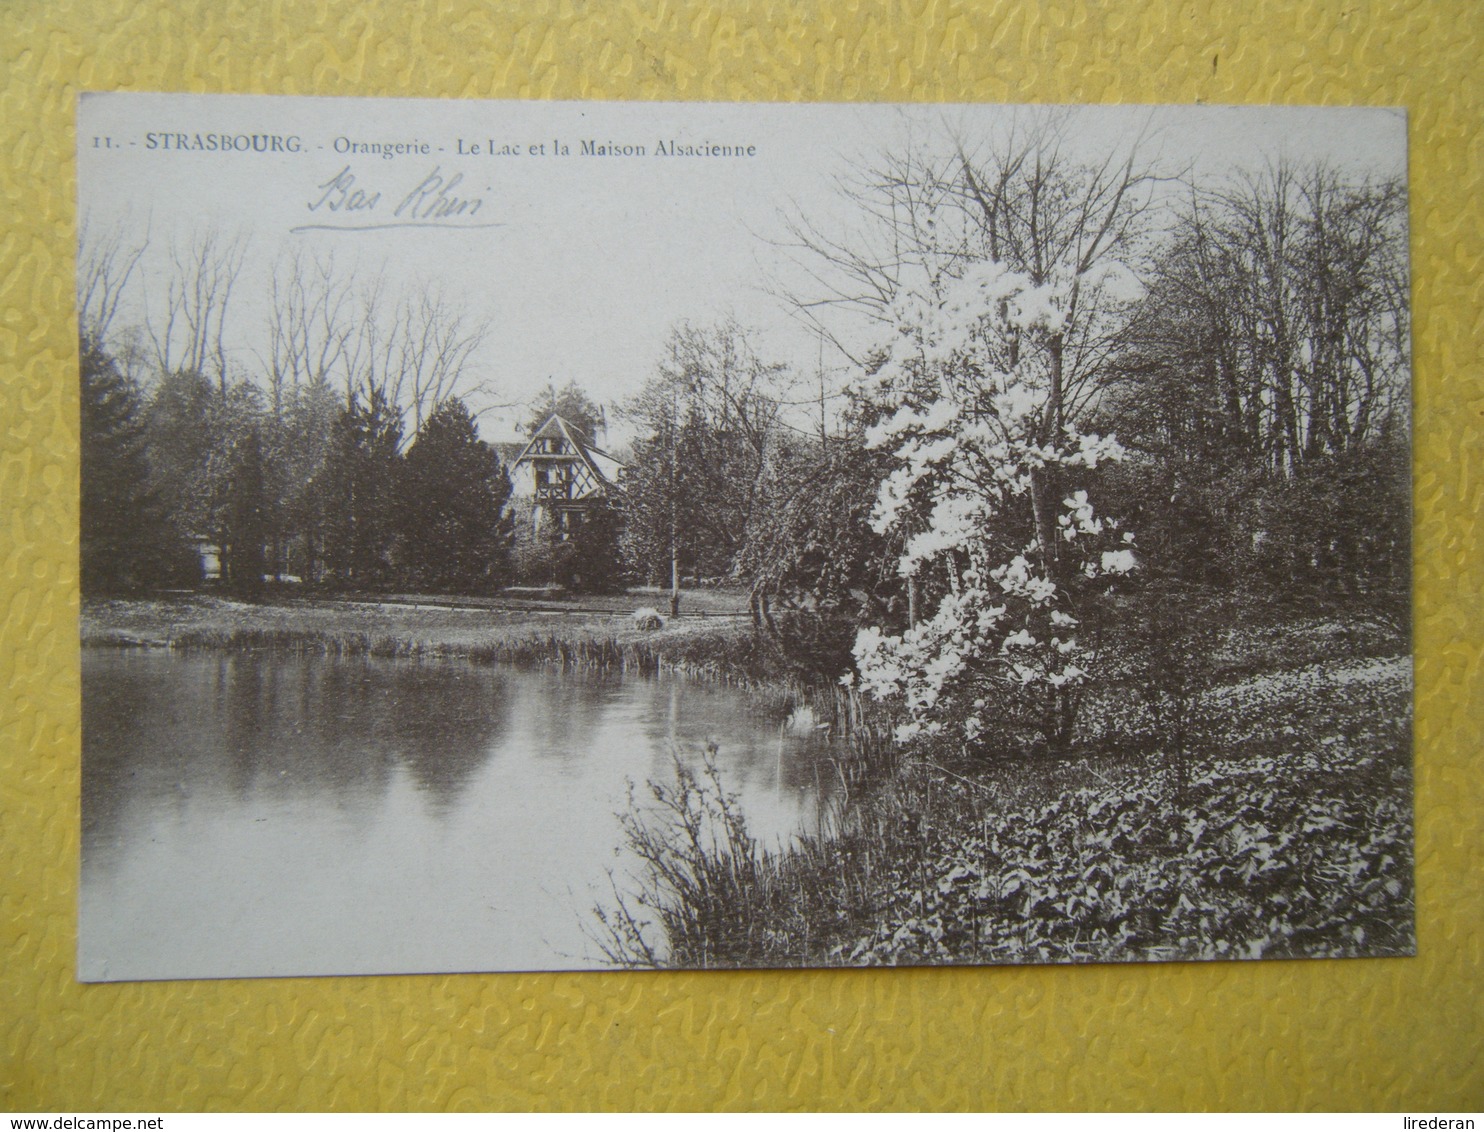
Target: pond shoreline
{"type": "Point", "coordinates": [712, 643]}
{"type": "Point", "coordinates": [1300, 761]}
{"type": "Point", "coordinates": [257, 812]}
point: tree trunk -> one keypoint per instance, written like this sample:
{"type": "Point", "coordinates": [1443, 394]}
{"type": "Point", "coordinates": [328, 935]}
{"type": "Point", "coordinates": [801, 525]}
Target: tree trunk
{"type": "Point", "coordinates": [1044, 488]}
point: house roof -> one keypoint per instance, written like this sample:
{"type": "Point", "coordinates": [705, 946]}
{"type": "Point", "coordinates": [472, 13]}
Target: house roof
{"type": "Point", "coordinates": [605, 467]}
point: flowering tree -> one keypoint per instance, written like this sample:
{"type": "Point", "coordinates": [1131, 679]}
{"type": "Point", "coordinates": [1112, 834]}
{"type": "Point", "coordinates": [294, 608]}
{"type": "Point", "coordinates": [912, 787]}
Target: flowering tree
{"type": "Point", "coordinates": [973, 459]}
{"type": "Point", "coordinates": [1004, 296]}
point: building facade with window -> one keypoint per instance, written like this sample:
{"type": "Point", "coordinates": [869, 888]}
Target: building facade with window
{"type": "Point", "coordinates": [560, 474]}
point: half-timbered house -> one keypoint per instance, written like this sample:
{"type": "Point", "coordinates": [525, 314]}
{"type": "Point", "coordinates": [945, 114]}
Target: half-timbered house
{"type": "Point", "coordinates": [560, 474]}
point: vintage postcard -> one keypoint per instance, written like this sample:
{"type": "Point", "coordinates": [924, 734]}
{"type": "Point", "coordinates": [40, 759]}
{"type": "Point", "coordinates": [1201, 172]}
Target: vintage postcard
{"type": "Point", "coordinates": [546, 536]}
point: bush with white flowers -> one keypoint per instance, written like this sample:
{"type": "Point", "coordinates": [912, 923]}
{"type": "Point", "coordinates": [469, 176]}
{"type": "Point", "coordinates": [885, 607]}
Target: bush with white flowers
{"type": "Point", "coordinates": [983, 498]}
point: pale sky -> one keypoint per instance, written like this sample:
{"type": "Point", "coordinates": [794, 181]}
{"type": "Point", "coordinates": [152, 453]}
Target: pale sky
{"type": "Point", "coordinates": [581, 264]}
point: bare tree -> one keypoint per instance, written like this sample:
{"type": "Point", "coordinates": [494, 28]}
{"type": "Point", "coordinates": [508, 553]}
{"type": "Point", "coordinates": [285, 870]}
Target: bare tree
{"type": "Point", "coordinates": [310, 325]}
{"type": "Point", "coordinates": [366, 360]}
{"type": "Point", "coordinates": [1284, 294]}
{"type": "Point", "coordinates": [899, 227]}
{"type": "Point", "coordinates": [436, 342]}
{"type": "Point", "coordinates": [415, 350]}
{"type": "Point", "coordinates": [106, 263]}
{"type": "Point", "coordinates": [191, 332]}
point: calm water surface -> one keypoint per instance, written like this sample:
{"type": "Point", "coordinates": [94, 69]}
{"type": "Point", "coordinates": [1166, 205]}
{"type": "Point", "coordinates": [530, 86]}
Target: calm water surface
{"type": "Point", "coordinates": [278, 815]}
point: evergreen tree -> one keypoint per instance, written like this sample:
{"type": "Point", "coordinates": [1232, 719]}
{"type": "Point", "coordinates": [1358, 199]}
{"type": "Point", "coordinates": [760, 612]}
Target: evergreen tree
{"type": "Point", "coordinates": [179, 433]}
{"type": "Point", "coordinates": [295, 444]}
{"type": "Point", "coordinates": [124, 540]}
{"type": "Point", "coordinates": [573, 406]}
{"type": "Point", "coordinates": [246, 519]}
{"type": "Point", "coordinates": [358, 492]}
{"type": "Point", "coordinates": [454, 489]}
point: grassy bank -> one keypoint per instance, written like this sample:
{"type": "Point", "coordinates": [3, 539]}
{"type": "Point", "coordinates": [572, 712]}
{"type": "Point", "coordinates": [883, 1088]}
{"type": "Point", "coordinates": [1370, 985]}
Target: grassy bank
{"type": "Point", "coordinates": [709, 641]}
{"type": "Point", "coordinates": [1283, 829]}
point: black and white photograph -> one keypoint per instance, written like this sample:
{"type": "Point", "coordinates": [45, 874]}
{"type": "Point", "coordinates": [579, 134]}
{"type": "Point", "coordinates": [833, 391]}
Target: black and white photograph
{"type": "Point", "coordinates": [540, 536]}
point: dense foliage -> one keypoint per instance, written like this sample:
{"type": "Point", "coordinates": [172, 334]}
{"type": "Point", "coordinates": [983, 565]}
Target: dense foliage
{"type": "Point", "coordinates": [1119, 448]}
{"type": "Point", "coordinates": [124, 540]}
{"type": "Point", "coordinates": [319, 493]}
{"type": "Point", "coordinates": [574, 406]}
{"type": "Point", "coordinates": [1295, 841]}
{"type": "Point", "coordinates": [456, 535]}
{"type": "Point", "coordinates": [290, 466]}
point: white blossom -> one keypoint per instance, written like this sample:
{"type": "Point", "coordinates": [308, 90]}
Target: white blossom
{"type": "Point", "coordinates": [964, 460]}
{"type": "Point", "coordinates": [1021, 638]}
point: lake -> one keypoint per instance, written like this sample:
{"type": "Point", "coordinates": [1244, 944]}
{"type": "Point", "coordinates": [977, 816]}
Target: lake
{"type": "Point", "coordinates": [250, 814]}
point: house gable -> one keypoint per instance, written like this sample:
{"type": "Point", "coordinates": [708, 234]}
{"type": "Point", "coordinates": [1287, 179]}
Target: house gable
{"type": "Point", "coordinates": [560, 471]}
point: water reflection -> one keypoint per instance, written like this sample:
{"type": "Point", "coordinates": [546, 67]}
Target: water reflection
{"type": "Point", "coordinates": [250, 814]}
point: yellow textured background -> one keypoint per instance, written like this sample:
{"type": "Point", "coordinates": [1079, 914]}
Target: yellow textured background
{"type": "Point", "coordinates": [1355, 1034]}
